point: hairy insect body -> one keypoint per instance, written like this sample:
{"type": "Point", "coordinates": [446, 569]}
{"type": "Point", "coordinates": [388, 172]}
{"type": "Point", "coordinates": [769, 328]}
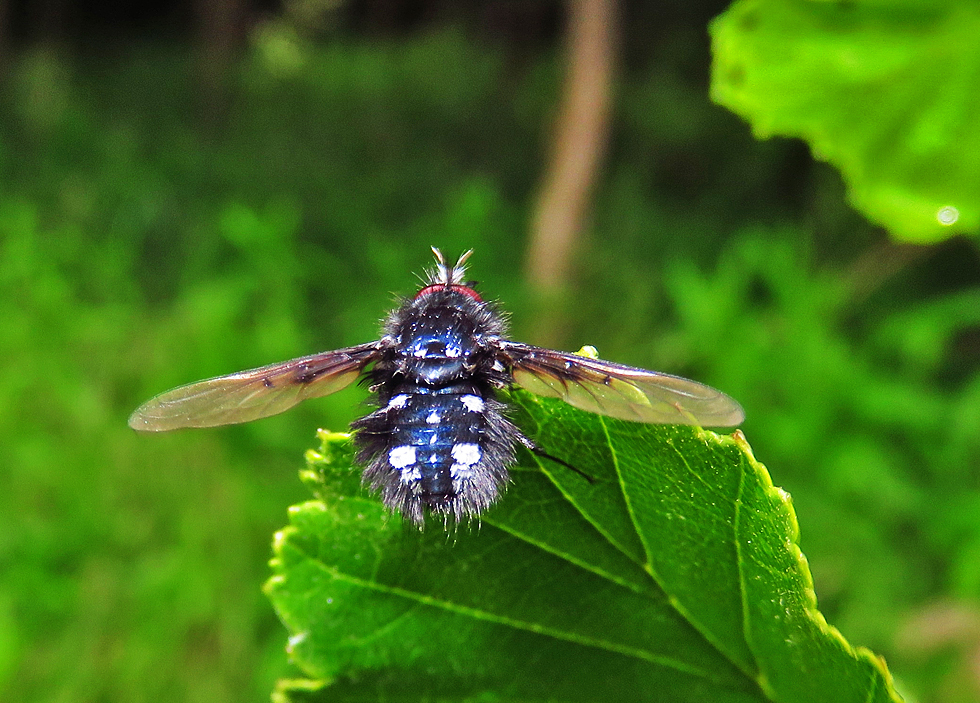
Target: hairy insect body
{"type": "Point", "coordinates": [438, 439]}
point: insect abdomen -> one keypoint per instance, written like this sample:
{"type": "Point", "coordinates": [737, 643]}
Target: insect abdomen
{"type": "Point", "coordinates": [445, 448]}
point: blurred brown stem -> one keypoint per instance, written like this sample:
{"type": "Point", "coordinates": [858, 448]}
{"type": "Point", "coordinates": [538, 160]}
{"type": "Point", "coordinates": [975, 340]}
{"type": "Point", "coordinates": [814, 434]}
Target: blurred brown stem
{"type": "Point", "coordinates": [880, 263]}
{"type": "Point", "coordinates": [220, 35]}
{"type": "Point", "coordinates": [4, 38]}
{"type": "Point", "coordinates": [580, 137]}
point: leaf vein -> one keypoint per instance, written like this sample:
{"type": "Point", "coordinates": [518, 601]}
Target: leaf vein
{"type": "Point", "coordinates": [609, 646]}
{"type": "Point", "coordinates": [591, 568]}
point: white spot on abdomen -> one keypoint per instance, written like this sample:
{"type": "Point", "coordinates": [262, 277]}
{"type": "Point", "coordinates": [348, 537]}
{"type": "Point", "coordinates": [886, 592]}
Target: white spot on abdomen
{"type": "Point", "coordinates": [461, 471]}
{"type": "Point", "coordinates": [433, 418]}
{"type": "Point", "coordinates": [400, 457]}
{"type": "Point", "coordinates": [466, 454]}
{"type": "Point", "coordinates": [399, 401]}
{"type": "Point", "coordinates": [473, 403]}
{"type": "Point", "coordinates": [411, 475]}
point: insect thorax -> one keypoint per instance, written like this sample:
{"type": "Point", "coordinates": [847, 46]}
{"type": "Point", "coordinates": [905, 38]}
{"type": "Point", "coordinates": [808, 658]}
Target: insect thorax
{"type": "Point", "coordinates": [438, 438]}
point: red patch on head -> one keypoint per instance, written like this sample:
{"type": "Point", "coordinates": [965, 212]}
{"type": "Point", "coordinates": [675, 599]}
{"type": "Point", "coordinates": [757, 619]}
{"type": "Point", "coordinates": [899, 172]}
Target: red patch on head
{"type": "Point", "coordinates": [465, 290]}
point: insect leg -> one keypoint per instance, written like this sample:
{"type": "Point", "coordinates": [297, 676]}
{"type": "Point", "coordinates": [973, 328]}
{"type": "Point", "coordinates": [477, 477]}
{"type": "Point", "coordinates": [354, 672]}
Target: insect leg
{"type": "Point", "coordinates": [537, 451]}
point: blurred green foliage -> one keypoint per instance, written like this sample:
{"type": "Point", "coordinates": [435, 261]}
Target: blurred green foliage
{"type": "Point", "coordinates": [883, 89]}
{"type": "Point", "coordinates": [140, 250]}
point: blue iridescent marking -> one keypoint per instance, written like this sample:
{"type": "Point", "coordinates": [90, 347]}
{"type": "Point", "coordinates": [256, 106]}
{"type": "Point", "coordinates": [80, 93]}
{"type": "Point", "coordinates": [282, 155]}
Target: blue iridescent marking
{"type": "Point", "coordinates": [439, 346]}
{"type": "Point", "coordinates": [435, 427]}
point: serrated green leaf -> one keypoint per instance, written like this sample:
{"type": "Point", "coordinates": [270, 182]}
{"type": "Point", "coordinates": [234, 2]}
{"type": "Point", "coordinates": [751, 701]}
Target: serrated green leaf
{"type": "Point", "coordinates": [674, 575]}
{"type": "Point", "coordinates": [885, 90]}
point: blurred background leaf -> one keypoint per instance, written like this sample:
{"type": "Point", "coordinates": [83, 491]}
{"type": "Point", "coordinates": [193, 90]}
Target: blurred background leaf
{"type": "Point", "coordinates": [883, 90]}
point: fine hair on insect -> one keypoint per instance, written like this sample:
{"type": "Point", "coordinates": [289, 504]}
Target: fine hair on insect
{"type": "Point", "coordinates": [439, 440]}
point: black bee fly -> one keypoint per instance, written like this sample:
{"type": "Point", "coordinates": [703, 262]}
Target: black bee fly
{"type": "Point", "coordinates": [439, 439]}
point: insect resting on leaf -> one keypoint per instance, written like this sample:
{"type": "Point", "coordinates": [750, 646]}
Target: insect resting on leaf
{"type": "Point", "coordinates": [439, 439]}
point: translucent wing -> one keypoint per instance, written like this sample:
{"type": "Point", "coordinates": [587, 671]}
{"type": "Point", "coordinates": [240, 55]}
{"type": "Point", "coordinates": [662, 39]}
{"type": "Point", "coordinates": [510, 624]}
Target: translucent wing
{"type": "Point", "coordinates": [619, 391]}
{"type": "Point", "coordinates": [250, 395]}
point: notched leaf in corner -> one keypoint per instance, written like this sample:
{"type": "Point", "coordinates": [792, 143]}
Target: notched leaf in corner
{"type": "Point", "coordinates": [885, 91]}
{"type": "Point", "coordinates": [330, 472]}
{"type": "Point", "coordinates": [675, 574]}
